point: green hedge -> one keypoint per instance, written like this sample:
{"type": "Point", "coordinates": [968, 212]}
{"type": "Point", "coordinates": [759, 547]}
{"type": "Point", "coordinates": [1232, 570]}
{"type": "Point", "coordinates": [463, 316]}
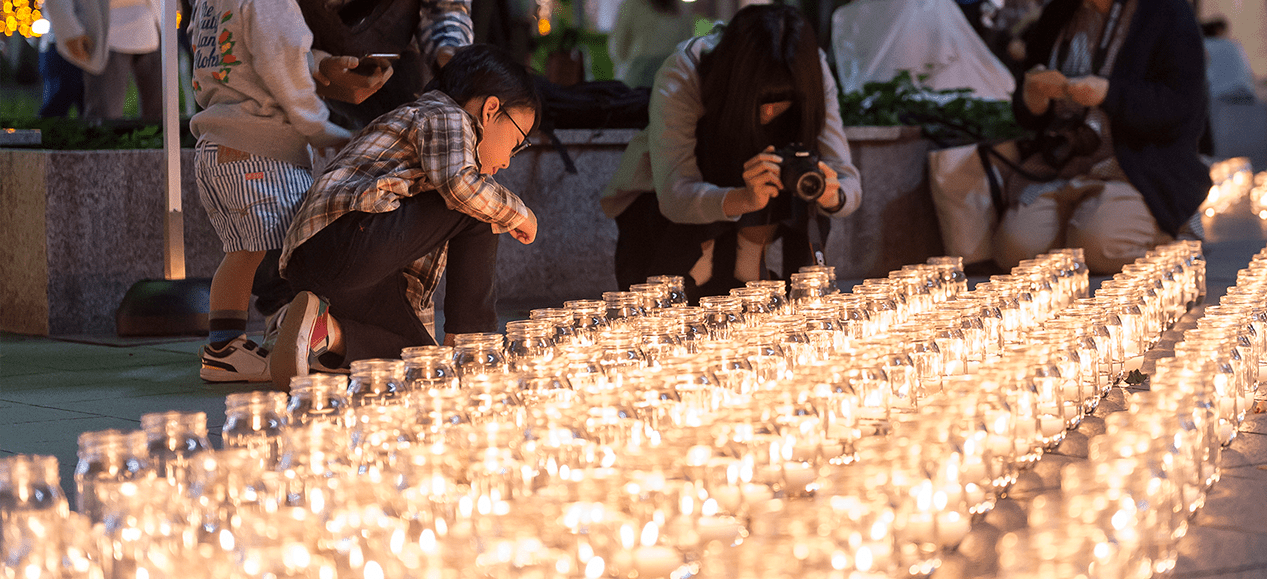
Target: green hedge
{"type": "Point", "coordinates": [74, 134]}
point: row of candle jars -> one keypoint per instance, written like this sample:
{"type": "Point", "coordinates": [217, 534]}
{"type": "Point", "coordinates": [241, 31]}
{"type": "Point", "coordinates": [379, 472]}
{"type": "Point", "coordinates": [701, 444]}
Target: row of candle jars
{"type": "Point", "coordinates": [854, 432]}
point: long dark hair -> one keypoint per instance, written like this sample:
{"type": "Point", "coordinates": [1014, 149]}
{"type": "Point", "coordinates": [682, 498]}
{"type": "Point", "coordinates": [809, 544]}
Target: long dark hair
{"type": "Point", "coordinates": [484, 70]}
{"type": "Point", "coordinates": [767, 53]}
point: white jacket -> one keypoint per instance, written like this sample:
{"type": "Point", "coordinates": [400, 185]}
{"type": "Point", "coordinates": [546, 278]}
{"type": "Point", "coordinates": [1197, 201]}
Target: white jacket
{"type": "Point", "coordinates": [129, 26]}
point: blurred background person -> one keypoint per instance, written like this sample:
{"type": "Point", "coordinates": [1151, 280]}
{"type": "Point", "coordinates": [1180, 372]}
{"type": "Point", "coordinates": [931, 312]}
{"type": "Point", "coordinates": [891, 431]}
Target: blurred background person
{"type": "Point", "coordinates": [114, 42]}
{"type": "Point", "coordinates": [647, 32]}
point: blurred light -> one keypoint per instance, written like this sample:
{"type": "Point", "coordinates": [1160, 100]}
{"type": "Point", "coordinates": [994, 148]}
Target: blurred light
{"type": "Point", "coordinates": [40, 27]}
{"type": "Point", "coordinates": [543, 27]}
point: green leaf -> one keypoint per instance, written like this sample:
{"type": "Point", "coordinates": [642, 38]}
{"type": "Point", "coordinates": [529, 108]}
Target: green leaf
{"type": "Point", "coordinates": [905, 96]}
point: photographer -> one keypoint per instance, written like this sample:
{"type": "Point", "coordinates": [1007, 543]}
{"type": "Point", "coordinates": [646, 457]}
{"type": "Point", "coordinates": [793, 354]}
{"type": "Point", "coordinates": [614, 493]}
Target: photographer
{"type": "Point", "coordinates": [1116, 89]}
{"type": "Point", "coordinates": [699, 193]}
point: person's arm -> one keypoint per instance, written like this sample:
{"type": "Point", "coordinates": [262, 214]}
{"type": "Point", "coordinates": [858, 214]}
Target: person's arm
{"type": "Point", "coordinates": [1154, 94]}
{"type": "Point", "coordinates": [447, 151]}
{"type": "Point", "coordinates": [674, 111]}
{"type": "Point", "coordinates": [61, 17]}
{"type": "Point", "coordinates": [448, 27]}
{"type": "Point", "coordinates": [833, 149]}
{"type": "Point", "coordinates": [279, 44]}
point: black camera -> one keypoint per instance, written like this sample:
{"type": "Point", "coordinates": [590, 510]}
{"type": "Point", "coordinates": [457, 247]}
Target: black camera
{"type": "Point", "coordinates": [800, 172]}
{"type": "Point", "coordinates": [1066, 138]}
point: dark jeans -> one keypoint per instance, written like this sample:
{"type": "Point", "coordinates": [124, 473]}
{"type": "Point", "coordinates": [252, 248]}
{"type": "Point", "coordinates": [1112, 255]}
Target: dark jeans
{"type": "Point", "coordinates": [649, 244]}
{"type": "Point", "coordinates": [356, 263]}
{"type": "Point", "coordinates": [63, 85]}
{"type": "Point", "coordinates": [271, 290]}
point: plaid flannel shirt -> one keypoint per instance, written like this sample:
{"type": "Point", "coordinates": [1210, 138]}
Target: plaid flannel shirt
{"type": "Point", "coordinates": [426, 145]}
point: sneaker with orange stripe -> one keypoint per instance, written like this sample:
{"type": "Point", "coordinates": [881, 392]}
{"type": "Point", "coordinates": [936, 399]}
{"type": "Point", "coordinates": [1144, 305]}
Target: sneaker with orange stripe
{"type": "Point", "coordinates": [303, 336]}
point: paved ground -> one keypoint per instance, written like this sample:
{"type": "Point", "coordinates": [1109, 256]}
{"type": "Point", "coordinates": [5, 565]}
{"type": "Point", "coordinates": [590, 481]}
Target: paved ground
{"type": "Point", "coordinates": [53, 389]}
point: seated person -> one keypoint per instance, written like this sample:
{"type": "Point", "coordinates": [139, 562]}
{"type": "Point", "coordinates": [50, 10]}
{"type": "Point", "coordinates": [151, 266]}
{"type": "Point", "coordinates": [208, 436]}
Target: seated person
{"type": "Point", "coordinates": [705, 169]}
{"type": "Point", "coordinates": [411, 192]}
{"type": "Point", "coordinates": [1121, 85]}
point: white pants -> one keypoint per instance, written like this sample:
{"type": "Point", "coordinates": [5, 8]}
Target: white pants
{"type": "Point", "coordinates": [1107, 219]}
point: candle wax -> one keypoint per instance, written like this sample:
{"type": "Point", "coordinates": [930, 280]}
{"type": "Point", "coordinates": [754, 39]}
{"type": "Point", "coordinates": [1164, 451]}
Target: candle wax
{"type": "Point", "coordinates": [656, 561]}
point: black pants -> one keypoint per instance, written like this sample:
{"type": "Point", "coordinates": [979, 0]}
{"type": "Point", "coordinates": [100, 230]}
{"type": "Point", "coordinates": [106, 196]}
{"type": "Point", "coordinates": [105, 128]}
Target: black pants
{"type": "Point", "coordinates": [649, 244]}
{"type": "Point", "coordinates": [356, 263]}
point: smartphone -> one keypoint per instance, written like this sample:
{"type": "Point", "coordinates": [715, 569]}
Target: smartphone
{"type": "Point", "coordinates": [371, 63]}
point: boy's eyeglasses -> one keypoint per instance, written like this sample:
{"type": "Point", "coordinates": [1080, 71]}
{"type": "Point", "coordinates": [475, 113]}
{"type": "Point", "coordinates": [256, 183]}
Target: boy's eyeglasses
{"type": "Point", "coordinates": [522, 144]}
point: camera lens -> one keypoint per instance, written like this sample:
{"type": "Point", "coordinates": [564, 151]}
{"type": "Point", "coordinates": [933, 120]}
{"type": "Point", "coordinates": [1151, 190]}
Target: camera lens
{"type": "Point", "coordinates": [810, 186]}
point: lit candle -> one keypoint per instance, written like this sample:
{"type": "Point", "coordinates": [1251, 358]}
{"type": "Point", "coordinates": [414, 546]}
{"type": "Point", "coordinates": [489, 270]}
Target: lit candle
{"type": "Point", "coordinates": [656, 561]}
{"type": "Point", "coordinates": [723, 529]}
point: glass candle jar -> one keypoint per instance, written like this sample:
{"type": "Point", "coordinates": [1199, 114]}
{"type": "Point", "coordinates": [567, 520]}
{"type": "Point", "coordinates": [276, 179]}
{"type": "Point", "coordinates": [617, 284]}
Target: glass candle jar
{"type": "Point", "coordinates": [172, 438]}
{"type": "Point", "coordinates": [317, 398]}
{"type": "Point", "coordinates": [528, 342]}
{"type": "Point", "coordinates": [376, 381]}
{"type": "Point", "coordinates": [676, 285]}
{"type": "Point", "coordinates": [428, 367]}
{"type": "Point", "coordinates": [253, 421]}
{"type": "Point", "coordinates": [478, 354]}
{"type": "Point", "coordinates": [106, 458]}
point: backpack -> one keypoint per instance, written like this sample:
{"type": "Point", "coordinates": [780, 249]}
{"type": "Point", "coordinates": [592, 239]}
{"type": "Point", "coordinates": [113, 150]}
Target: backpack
{"type": "Point", "coordinates": [601, 104]}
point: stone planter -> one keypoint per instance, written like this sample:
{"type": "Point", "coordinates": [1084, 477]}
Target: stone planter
{"type": "Point", "coordinates": [896, 224]}
{"type": "Point", "coordinates": [80, 227]}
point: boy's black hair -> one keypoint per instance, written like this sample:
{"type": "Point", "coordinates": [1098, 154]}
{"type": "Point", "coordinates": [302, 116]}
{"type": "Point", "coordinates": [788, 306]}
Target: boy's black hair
{"type": "Point", "coordinates": [484, 70]}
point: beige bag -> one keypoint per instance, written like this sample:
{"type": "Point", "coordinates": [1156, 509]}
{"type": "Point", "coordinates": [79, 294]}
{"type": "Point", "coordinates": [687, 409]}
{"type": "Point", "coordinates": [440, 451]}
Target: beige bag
{"type": "Point", "coordinates": [967, 187]}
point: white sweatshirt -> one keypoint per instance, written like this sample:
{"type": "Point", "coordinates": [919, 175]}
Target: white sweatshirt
{"type": "Point", "coordinates": [252, 77]}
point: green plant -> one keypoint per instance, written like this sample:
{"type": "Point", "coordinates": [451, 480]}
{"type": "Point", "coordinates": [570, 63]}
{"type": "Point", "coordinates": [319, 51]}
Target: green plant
{"type": "Point", "coordinates": [74, 134]}
{"type": "Point", "coordinates": [904, 101]}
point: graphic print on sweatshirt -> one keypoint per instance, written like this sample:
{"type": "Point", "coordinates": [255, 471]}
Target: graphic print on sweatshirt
{"type": "Point", "coordinates": [215, 44]}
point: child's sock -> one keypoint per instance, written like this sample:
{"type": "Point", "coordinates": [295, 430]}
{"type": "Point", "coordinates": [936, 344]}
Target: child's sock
{"type": "Point", "coordinates": [224, 326]}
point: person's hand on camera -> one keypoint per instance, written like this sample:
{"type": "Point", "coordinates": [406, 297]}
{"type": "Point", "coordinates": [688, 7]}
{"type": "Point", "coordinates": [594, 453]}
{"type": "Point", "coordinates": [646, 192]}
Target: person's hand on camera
{"type": "Point", "coordinates": [80, 47]}
{"type": "Point", "coordinates": [337, 79]}
{"type": "Point", "coordinates": [1088, 91]}
{"type": "Point", "coordinates": [830, 200]}
{"type": "Point", "coordinates": [1041, 86]}
{"type": "Point", "coordinates": [526, 233]}
{"type": "Point", "coordinates": [761, 183]}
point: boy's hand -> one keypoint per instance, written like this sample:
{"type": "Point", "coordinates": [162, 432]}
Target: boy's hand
{"type": "Point", "coordinates": [336, 80]}
{"type": "Point", "coordinates": [526, 233]}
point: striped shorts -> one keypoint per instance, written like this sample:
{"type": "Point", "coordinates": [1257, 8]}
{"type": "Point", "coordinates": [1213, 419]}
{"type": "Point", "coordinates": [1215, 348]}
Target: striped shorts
{"type": "Point", "coordinates": [250, 199]}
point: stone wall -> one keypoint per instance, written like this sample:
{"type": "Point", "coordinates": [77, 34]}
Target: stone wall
{"type": "Point", "coordinates": [81, 227]}
{"type": "Point", "coordinates": [896, 224]}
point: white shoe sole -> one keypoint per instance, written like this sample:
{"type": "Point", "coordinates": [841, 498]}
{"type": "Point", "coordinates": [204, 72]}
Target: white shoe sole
{"type": "Point", "coordinates": [290, 359]}
{"type": "Point", "coordinates": [218, 375]}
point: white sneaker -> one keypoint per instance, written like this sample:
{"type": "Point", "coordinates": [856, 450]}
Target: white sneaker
{"type": "Point", "coordinates": [241, 360]}
{"type": "Point", "coordinates": [303, 336]}
{"type": "Point", "coordinates": [273, 325]}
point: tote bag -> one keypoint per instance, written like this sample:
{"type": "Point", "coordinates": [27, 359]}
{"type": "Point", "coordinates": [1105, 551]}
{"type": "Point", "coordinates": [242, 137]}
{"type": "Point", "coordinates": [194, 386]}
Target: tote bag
{"type": "Point", "coordinates": [967, 187]}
